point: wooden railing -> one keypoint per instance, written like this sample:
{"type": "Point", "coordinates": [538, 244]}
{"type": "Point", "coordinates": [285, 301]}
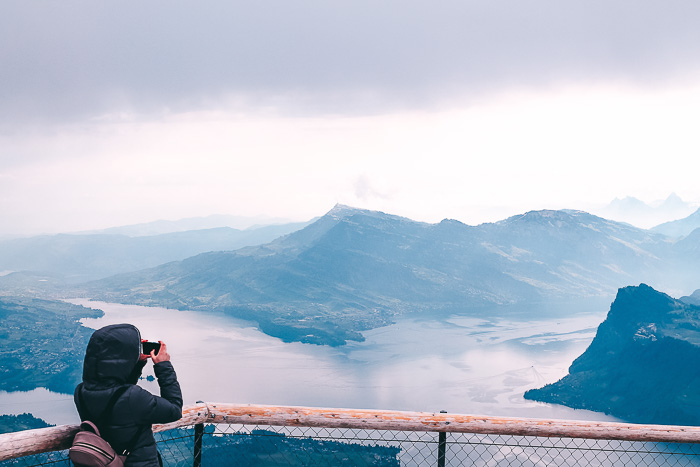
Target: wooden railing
{"type": "Point", "coordinates": [24, 443]}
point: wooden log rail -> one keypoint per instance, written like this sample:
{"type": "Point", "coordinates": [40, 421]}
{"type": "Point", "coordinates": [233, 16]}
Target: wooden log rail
{"type": "Point", "coordinates": [24, 443]}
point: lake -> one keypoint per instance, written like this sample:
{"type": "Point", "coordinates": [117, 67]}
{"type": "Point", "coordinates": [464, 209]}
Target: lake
{"type": "Point", "coordinates": [478, 365]}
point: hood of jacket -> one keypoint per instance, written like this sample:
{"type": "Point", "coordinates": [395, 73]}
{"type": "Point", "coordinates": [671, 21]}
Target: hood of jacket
{"type": "Point", "coordinates": [112, 356]}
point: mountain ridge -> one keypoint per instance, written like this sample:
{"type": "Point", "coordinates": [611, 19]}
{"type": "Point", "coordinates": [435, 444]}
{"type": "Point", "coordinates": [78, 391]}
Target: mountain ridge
{"type": "Point", "coordinates": [635, 211]}
{"type": "Point", "coordinates": [79, 258]}
{"type": "Point", "coordinates": [163, 226]}
{"type": "Point", "coordinates": [681, 227]}
{"type": "Point", "coordinates": [353, 270]}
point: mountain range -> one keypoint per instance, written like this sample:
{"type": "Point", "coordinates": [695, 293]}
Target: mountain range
{"type": "Point", "coordinates": [214, 221]}
{"type": "Point", "coordinates": [636, 212]}
{"type": "Point", "coordinates": [641, 365]}
{"type": "Point", "coordinates": [353, 270]}
{"type": "Point", "coordinates": [681, 227]}
{"type": "Point", "coordinates": [75, 258]}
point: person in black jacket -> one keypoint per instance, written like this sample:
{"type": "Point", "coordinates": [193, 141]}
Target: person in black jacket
{"type": "Point", "coordinates": [113, 359]}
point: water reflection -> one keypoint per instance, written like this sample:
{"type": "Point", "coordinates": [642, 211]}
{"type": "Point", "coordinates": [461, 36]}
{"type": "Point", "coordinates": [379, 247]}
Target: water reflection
{"type": "Point", "coordinates": [462, 365]}
{"type": "Point", "coordinates": [51, 407]}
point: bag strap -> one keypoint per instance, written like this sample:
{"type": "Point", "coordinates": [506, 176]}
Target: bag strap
{"type": "Point", "coordinates": [89, 426]}
{"type": "Point", "coordinates": [108, 408]}
{"type": "Point", "coordinates": [107, 411]}
{"type": "Point", "coordinates": [110, 405]}
{"type": "Point", "coordinates": [132, 441]}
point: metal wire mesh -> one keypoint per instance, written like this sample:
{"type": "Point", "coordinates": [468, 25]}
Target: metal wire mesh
{"type": "Point", "coordinates": [491, 450]}
{"type": "Point", "coordinates": [176, 447]}
{"type": "Point", "coordinates": [306, 446]}
{"type": "Point", "coordinates": [248, 445]}
{"type": "Point", "coordinates": [295, 446]}
{"type": "Point", "coordinates": [55, 458]}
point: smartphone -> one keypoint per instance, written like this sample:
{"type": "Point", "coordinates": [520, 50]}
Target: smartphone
{"type": "Point", "coordinates": [148, 346]}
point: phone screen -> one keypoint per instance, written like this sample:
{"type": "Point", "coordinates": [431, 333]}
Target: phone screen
{"type": "Point", "coordinates": [148, 346]}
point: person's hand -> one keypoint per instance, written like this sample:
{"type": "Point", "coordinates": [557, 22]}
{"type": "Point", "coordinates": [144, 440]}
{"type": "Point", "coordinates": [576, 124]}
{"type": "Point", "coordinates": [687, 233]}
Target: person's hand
{"type": "Point", "coordinates": [143, 356]}
{"type": "Point", "coordinates": [162, 355]}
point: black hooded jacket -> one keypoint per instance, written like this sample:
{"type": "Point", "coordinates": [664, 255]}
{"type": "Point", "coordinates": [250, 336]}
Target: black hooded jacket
{"type": "Point", "coordinates": [112, 362]}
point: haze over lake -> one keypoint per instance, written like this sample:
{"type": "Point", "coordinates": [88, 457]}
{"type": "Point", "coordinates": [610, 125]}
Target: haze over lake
{"type": "Point", "coordinates": [462, 364]}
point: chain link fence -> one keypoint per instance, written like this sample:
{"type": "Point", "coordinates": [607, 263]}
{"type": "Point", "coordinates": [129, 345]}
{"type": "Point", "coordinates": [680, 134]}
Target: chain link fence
{"type": "Point", "coordinates": [257, 445]}
{"type": "Point", "coordinates": [243, 445]}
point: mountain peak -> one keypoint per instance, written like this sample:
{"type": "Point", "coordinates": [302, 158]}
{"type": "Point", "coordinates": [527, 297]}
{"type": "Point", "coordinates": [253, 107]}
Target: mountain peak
{"type": "Point", "coordinates": [672, 203]}
{"type": "Point", "coordinates": [640, 302]}
{"type": "Point", "coordinates": [628, 202]}
{"type": "Point", "coordinates": [547, 216]}
{"type": "Point", "coordinates": [341, 211]}
{"type": "Point", "coordinates": [692, 299]}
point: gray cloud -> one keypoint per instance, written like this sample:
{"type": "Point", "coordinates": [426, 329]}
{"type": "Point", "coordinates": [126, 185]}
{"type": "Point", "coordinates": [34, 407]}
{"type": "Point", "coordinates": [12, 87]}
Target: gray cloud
{"type": "Point", "coordinates": [78, 59]}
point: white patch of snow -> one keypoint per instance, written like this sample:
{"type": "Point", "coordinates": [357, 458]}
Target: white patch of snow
{"type": "Point", "coordinates": [498, 251]}
{"type": "Point", "coordinates": [635, 248]}
{"type": "Point", "coordinates": [615, 268]}
{"type": "Point", "coordinates": [590, 226]}
{"type": "Point", "coordinates": [517, 252]}
{"type": "Point", "coordinates": [532, 282]}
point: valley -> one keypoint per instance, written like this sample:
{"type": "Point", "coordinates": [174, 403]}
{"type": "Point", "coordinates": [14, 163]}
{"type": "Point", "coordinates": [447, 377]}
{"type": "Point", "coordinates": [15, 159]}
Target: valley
{"type": "Point", "coordinates": [478, 315]}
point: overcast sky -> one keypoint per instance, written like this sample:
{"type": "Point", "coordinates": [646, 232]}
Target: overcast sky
{"type": "Point", "coordinates": [115, 113]}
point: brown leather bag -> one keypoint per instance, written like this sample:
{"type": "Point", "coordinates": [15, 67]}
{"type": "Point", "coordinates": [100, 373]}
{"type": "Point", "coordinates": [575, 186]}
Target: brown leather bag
{"type": "Point", "coordinates": [90, 450]}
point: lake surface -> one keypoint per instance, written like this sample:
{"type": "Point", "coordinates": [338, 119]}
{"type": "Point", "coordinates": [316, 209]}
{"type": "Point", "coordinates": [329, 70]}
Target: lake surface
{"type": "Point", "coordinates": [461, 364]}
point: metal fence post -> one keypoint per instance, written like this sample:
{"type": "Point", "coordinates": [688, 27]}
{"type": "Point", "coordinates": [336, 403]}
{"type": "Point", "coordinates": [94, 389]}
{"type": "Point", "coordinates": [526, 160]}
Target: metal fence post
{"type": "Point", "coordinates": [198, 435]}
{"type": "Point", "coordinates": [442, 446]}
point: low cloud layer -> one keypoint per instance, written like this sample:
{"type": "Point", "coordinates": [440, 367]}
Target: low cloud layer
{"type": "Point", "coordinates": [66, 61]}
